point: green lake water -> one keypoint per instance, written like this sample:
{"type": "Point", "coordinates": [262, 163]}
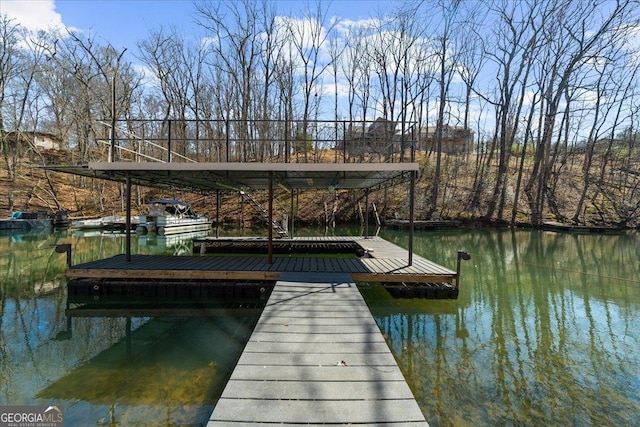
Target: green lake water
{"type": "Point", "coordinates": [546, 332]}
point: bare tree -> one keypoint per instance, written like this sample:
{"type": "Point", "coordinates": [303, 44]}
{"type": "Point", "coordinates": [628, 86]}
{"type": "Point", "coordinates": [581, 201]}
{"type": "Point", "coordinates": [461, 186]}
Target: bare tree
{"type": "Point", "coordinates": [515, 49]}
{"type": "Point", "coordinates": [178, 69]}
{"type": "Point", "coordinates": [578, 31]}
{"type": "Point", "coordinates": [11, 67]}
{"type": "Point", "coordinates": [446, 55]}
{"type": "Point", "coordinates": [234, 29]}
{"type": "Point", "coordinates": [309, 38]}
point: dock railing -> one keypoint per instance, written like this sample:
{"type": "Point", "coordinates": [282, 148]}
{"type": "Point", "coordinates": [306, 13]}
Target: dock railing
{"type": "Point", "coordinates": [275, 141]}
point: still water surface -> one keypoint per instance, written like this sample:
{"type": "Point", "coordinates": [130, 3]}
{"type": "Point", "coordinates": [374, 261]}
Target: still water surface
{"type": "Point", "coordinates": [546, 332]}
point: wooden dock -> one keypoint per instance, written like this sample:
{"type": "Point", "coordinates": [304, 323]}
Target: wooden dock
{"type": "Point", "coordinates": [384, 262]}
{"type": "Point", "coordinates": [316, 357]}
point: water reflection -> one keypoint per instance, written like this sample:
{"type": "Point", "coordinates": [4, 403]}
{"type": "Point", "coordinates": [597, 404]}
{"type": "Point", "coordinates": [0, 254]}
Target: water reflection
{"type": "Point", "coordinates": [546, 331]}
{"type": "Point", "coordinates": [179, 244]}
{"type": "Point", "coordinates": [117, 365]}
{"type": "Point", "coordinates": [168, 371]}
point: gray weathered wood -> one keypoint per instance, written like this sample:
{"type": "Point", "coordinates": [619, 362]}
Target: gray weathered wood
{"type": "Point", "coordinates": [387, 265]}
{"type": "Point", "coordinates": [316, 356]}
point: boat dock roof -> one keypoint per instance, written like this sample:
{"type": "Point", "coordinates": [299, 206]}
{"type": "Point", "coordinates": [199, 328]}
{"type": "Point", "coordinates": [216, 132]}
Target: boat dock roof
{"type": "Point", "coordinates": [236, 175]}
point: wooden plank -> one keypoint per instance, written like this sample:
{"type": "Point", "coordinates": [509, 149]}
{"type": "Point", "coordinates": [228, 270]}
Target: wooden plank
{"type": "Point", "coordinates": [345, 390]}
{"type": "Point", "coordinates": [294, 411]}
{"type": "Point", "coordinates": [312, 348]}
{"type": "Point", "coordinates": [316, 356]}
{"type": "Point", "coordinates": [331, 373]}
{"type": "Point", "coordinates": [303, 321]}
{"type": "Point", "coordinates": [383, 359]}
{"type": "Point", "coordinates": [318, 337]}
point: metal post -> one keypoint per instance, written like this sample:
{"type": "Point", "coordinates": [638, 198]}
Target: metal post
{"type": "Point", "coordinates": [241, 209]}
{"type": "Point", "coordinates": [286, 140]}
{"type": "Point", "coordinates": [412, 197]}
{"type": "Point", "coordinates": [344, 142]}
{"type": "Point", "coordinates": [112, 145]}
{"type": "Point", "coordinates": [128, 219]}
{"type": "Point", "coordinates": [169, 142]}
{"type": "Point", "coordinates": [270, 219]}
{"type": "Point", "coordinates": [217, 213]}
{"type": "Point", "coordinates": [292, 215]}
{"type": "Point", "coordinates": [366, 213]}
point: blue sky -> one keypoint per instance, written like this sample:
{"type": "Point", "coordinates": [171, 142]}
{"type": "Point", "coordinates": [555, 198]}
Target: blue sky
{"type": "Point", "coordinates": [123, 22]}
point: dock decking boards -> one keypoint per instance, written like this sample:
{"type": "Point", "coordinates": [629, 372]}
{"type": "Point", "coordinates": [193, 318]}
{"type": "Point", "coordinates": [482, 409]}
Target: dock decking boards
{"type": "Point", "coordinates": [316, 357]}
{"type": "Point", "coordinates": [386, 263]}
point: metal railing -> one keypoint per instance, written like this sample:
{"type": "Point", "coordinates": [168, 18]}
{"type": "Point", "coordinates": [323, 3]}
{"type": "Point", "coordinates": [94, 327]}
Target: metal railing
{"type": "Point", "coordinates": [317, 141]}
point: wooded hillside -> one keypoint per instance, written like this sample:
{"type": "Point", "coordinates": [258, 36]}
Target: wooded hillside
{"type": "Point", "coordinates": [542, 94]}
{"type": "Point", "coordinates": [33, 188]}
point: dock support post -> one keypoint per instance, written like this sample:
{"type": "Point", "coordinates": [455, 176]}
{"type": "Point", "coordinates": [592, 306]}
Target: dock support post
{"type": "Point", "coordinates": [462, 255]}
{"type": "Point", "coordinates": [127, 220]}
{"type": "Point", "coordinates": [292, 215]}
{"type": "Point", "coordinates": [217, 213]}
{"type": "Point", "coordinates": [412, 197]}
{"type": "Point", "coordinates": [366, 213]}
{"type": "Point", "coordinates": [270, 247]}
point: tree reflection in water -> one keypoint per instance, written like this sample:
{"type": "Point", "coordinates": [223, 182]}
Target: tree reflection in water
{"type": "Point", "coordinates": [545, 332]}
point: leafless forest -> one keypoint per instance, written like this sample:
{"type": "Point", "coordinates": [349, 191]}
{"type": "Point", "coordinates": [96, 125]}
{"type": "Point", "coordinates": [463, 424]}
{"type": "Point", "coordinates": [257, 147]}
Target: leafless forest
{"type": "Point", "coordinates": [547, 89]}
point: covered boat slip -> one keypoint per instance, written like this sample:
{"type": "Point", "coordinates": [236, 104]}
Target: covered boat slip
{"type": "Point", "coordinates": [236, 176]}
{"type": "Point", "coordinates": [383, 261]}
{"type": "Point", "coordinates": [316, 357]}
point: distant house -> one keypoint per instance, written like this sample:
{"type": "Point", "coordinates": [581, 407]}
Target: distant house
{"type": "Point", "coordinates": [381, 137]}
{"type": "Point", "coordinates": [37, 140]}
{"type": "Point", "coordinates": [374, 138]}
{"type": "Point", "coordinates": [455, 139]}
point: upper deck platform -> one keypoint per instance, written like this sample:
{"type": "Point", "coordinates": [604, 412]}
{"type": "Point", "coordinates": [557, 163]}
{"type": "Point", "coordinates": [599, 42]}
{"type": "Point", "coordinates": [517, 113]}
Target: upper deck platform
{"type": "Point", "coordinates": [236, 176]}
{"type": "Point", "coordinates": [205, 155]}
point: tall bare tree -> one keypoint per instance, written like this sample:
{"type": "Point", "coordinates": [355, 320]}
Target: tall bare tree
{"type": "Point", "coordinates": [446, 53]}
{"type": "Point", "coordinates": [514, 54]}
{"type": "Point", "coordinates": [577, 32]}
{"type": "Point", "coordinates": [309, 38]}
{"type": "Point", "coordinates": [11, 67]}
{"type": "Point", "coordinates": [234, 30]}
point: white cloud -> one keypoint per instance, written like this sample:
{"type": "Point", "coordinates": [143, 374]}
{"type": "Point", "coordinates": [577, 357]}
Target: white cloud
{"type": "Point", "coordinates": [348, 27]}
{"type": "Point", "coordinates": [32, 15]}
{"type": "Point", "coordinates": [149, 78]}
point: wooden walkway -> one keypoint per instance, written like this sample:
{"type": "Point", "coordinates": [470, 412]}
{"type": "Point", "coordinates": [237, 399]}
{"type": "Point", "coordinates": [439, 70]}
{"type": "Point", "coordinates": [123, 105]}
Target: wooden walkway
{"type": "Point", "coordinates": [386, 262]}
{"type": "Point", "coordinates": [316, 357]}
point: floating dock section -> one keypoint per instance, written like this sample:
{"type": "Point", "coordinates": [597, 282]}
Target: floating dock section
{"type": "Point", "coordinates": [374, 260]}
{"type": "Point", "coordinates": [316, 357]}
